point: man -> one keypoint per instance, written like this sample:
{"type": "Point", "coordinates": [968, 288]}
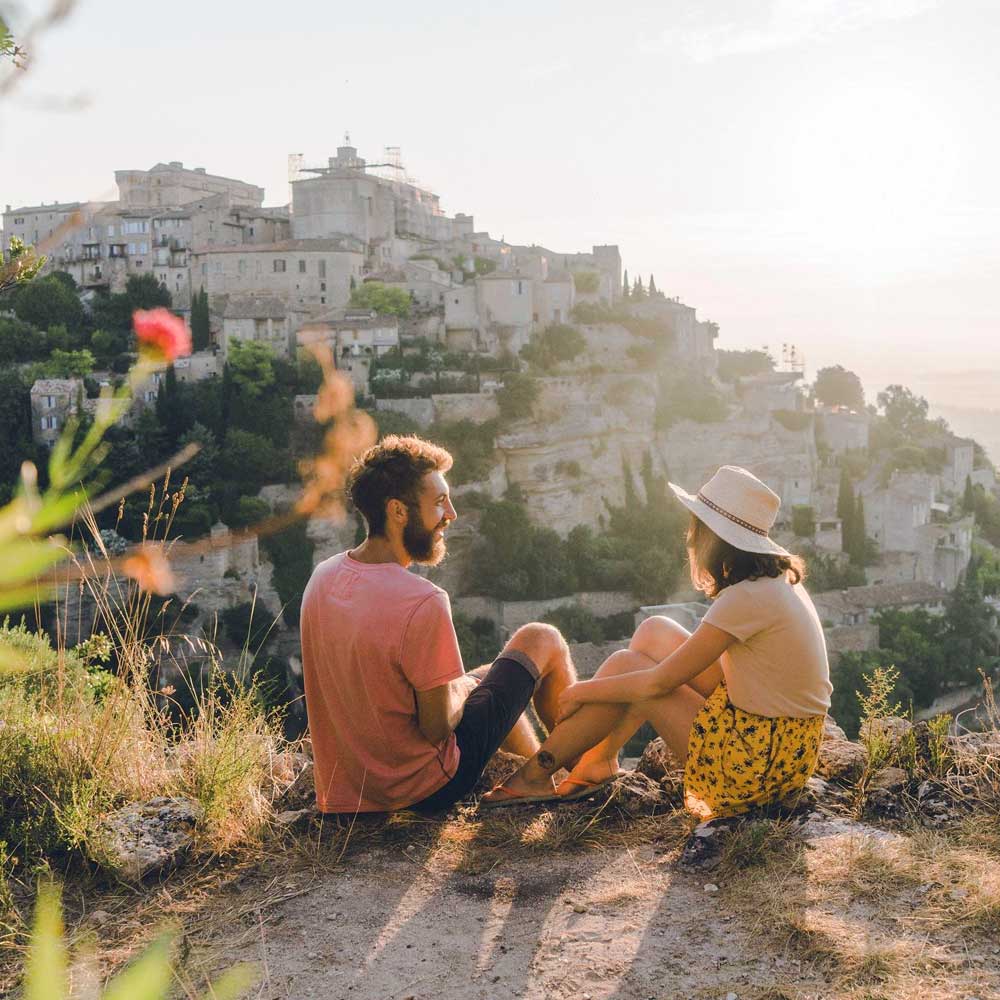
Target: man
{"type": "Point", "coordinates": [395, 720]}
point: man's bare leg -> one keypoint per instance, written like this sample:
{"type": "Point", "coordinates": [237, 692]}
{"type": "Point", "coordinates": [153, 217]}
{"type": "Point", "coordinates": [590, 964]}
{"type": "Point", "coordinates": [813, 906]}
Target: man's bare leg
{"type": "Point", "coordinates": [597, 729]}
{"type": "Point", "coordinates": [522, 739]}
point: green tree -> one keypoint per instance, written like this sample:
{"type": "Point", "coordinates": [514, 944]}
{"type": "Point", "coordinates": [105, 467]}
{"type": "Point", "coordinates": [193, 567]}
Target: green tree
{"type": "Point", "coordinates": [20, 341]}
{"type": "Point", "coordinates": [171, 409]}
{"type": "Point", "coordinates": [200, 320]}
{"type": "Point", "coordinates": [837, 386]}
{"type": "Point", "coordinates": [291, 551]}
{"type": "Point", "coordinates": [968, 497]}
{"type": "Point", "coordinates": [47, 302]}
{"type": "Point", "coordinates": [15, 430]}
{"type": "Point", "coordinates": [21, 263]}
{"type": "Point", "coordinates": [145, 292]}
{"type": "Point", "coordinates": [587, 282]}
{"type": "Point", "coordinates": [554, 344]}
{"type": "Point", "coordinates": [106, 344]}
{"type": "Point", "coordinates": [803, 521]}
{"type": "Point", "coordinates": [638, 292]}
{"type": "Point", "coordinates": [69, 364]}
{"type": "Point", "coordinates": [971, 644]}
{"type": "Point", "coordinates": [249, 461]}
{"type": "Point", "coordinates": [904, 411]}
{"type": "Point", "coordinates": [652, 288]}
{"type": "Point", "coordinates": [383, 299]}
{"type": "Point", "coordinates": [733, 365]}
{"type": "Point", "coordinates": [251, 366]}
{"type": "Point", "coordinates": [202, 470]}
{"type": "Point", "coordinates": [625, 285]}
{"type": "Point", "coordinates": [517, 396]}
{"type": "Point", "coordinates": [478, 640]}
{"type": "Point", "coordinates": [858, 542]}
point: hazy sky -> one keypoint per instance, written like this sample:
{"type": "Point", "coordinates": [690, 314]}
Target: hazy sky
{"type": "Point", "coordinates": [821, 172]}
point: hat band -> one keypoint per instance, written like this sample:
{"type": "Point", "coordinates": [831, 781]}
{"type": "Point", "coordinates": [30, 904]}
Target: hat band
{"type": "Point", "coordinates": [732, 517]}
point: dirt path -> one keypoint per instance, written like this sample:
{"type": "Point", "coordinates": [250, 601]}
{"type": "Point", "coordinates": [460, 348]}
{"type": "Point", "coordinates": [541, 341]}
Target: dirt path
{"type": "Point", "coordinates": [601, 924]}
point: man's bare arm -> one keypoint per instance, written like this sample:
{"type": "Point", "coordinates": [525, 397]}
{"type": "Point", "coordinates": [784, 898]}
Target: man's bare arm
{"type": "Point", "coordinates": [439, 710]}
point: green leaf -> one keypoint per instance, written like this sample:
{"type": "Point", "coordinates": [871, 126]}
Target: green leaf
{"type": "Point", "coordinates": [232, 983]}
{"type": "Point", "coordinates": [147, 978]}
{"type": "Point", "coordinates": [26, 559]}
{"type": "Point", "coordinates": [45, 970]}
{"type": "Point", "coordinates": [23, 597]}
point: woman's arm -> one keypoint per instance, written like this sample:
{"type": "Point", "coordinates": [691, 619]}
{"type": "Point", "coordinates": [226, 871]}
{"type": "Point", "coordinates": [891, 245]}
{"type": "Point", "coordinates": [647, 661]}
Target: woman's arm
{"type": "Point", "coordinates": [695, 654]}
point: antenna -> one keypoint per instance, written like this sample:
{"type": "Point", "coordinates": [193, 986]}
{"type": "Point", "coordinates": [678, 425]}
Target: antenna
{"type": "Point", "coordinates": [295, 162]}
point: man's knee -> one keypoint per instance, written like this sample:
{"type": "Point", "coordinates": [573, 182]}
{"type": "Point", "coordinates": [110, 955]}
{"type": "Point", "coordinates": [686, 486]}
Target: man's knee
{"type": "Point", "coordinates": [658, 637]}
{"type": "Point", "coordinates": [543, 643]}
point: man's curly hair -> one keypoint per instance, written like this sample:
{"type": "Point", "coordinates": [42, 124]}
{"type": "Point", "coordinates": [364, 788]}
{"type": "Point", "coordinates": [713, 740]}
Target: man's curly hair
{"type": "Point", "coordinates": [392, 469]}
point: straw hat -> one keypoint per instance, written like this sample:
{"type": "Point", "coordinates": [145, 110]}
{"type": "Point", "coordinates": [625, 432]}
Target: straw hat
{"type": "Point", "coordinates": [738, 507]}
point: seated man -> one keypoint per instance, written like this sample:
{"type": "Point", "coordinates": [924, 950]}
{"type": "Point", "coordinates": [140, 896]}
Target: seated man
{"type": "Point", "coordinates": [395, 721]}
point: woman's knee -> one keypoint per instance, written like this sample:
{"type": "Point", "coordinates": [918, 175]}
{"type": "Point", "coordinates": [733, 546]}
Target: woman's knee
{"type": "Point", "coordinates": [658, 637]}
{"type": "Point", "coordinates": [542, 642]}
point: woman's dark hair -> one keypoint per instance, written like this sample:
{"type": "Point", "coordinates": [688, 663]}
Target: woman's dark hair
{"type": "Point", "coordinates": [715, 564]}
{"type": "Point", "coordinates": [392, 469]}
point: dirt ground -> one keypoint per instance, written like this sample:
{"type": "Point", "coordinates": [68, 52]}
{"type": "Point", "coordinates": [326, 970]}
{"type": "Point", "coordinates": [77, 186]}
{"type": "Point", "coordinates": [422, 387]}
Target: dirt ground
{"type": "Point", "coordinates": [467, 912]}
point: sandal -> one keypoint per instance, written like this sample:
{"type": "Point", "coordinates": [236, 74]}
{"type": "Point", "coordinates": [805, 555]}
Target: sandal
{"type": "Point", "coordinates": [505, 797]}
{"type": "Point", "coordinates": [587, 788]}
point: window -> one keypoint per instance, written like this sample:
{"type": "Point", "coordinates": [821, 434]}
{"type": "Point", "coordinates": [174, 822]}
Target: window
{"type": "Point", "coordinates": [218, 267]}
{"type": "Point", "coordinates": [520, 288]}
{"type": "Point", "coordinates": [204, 269]}
{"type": "Point", "coordinates": [322, 268]}
{"type": "Point", "coordinates": [131, 249]}
{"type": "Point", "coordinates": [143, 248]}
{"type": "Point", "coordinates": [50, 401]}
{"type": "Point", "coordinates": [302, 267]}
{"type": "Point", "coordinates": [19, 222]}
{"type": "Point", "coordinates": [322, 300]}
{"type": "Point", "coordinates": [322, 286]}
{"type": "Point", "coordinates": [135, 226]}
{"type": "Point", "coordinates": [251, 230]}
{"type": "Point", "coordinates": [279, 267]}
{"type": "Point", "coordinates": [111, 230]}
{"type": "Point", "coordinates": [242, 267]}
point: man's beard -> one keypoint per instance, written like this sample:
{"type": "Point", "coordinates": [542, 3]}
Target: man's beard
{"type": "Point", "coordinates": [420, 544]}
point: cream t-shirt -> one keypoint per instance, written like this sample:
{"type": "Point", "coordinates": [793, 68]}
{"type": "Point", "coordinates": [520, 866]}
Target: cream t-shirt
{"type": "Point", "coordinates": [778, 666]}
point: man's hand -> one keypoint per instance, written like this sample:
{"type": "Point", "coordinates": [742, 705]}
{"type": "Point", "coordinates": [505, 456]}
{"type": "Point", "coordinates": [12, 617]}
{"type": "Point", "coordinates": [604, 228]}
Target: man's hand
{"type": "Point", "coordinates": [569, 703]}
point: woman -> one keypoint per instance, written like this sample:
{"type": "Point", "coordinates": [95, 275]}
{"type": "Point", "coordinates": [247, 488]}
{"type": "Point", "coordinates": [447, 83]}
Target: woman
{"type": "Point", "coordinates": [740, 702]}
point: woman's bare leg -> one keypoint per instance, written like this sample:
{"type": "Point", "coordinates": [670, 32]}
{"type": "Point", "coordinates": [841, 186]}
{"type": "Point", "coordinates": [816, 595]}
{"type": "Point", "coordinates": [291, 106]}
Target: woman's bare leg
{"type": "Point", "coordinates": [599, 730]}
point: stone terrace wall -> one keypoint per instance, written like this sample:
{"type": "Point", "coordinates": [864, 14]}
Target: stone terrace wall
{"type": "Point", "coordinates": [475, 406]}
{"type": "Point", "coordinates": [421, 411]}
{"type": "Point", "coordinates": [588, 656]}
{"type": "Point", "coordinates": [510, 615]}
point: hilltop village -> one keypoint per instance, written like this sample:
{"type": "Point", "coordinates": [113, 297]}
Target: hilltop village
{"type": "Point", "coordinates": [567, 392]}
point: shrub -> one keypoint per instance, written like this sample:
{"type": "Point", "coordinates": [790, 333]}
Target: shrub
{"type": "Point", "coordinates": [478, 640]}
{"type": "Point", "coordinates": [472, 446]}
{"type": "Point", "coordinates": [793, 420]}
{"type": "Point", "coordinates": [383, 299]}
{"type": "Point", "coordinates": [291, 551]}
{"type": "Point", "coordinates": [688, 396]}
{"type": "Point", "coordinates": [587, 282]}
{"type": "Point", "coordinates": [250, 510]}
{"type": "Point", "coordinates": [733, 365]}
{"type": "Point", "coordinates": [517, 396]}
{"type": "Point", "coordinates": [803, 521]}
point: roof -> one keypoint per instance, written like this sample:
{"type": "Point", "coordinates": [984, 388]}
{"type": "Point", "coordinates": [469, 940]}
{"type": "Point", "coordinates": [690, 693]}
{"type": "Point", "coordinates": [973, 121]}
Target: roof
{"type": "Point", "coordinates": [557, 276]}
{"type": "Point", "coordinates": [254, 307]}
{"type": "Point", "coordinates": [515, 275]}
{"type": "Point", "coordinates": [882, 595]}
{"type": "Point", "coordinates": [344, 244]}
{"type": "Point", "coordinates": [55, 386]}
{"type": "Point", "coordinates": [66, 206]}
{"type": "Point", "coordinates": [336, 320]}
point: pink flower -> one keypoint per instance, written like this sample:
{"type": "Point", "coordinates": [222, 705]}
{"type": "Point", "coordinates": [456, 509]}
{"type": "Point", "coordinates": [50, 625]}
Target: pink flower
{"type": "Point", "coordinates": [161, 333]}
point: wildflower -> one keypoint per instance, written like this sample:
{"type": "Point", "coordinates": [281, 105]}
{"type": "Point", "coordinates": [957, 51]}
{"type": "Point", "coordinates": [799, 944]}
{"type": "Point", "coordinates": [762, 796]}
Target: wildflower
{"type": "Point", "coordinates": [162, 335]}
{"type": "Point", "coordinates": [150, 569]}
{"type": "Point", "coordinates": [352, 432]}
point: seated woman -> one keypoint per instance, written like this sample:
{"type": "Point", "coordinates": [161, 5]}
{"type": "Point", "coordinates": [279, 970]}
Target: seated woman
{"type": "Point", "coordinates": [740, 702]}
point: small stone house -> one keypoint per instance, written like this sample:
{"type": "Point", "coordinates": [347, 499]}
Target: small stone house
{"type": "Point", "coordinates": [53, 402]}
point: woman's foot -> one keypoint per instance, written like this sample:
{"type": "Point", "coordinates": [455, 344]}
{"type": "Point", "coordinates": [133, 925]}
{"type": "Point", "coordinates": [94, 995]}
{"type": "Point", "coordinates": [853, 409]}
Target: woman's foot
{"type": "Point", "coordinates": [518, 787]}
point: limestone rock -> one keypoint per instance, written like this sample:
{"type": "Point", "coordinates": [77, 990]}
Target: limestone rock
{"type": "Point", "coordinates": [831, 731]}
{"type": "Point", "coordinates": [892, 728]}
{"type": "Point", "coordinates": [885, 793]}
{"type": "Point", "coordinates": [146, 837]}
{"type": "Point", "coordinates": [890, 779]}
{"type": "Point", "coordinates": [841, 760]}
{"type": "Point", "coordinates": [295, 819]}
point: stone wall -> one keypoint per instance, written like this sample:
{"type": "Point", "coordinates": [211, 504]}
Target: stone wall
{"type": "Point", "coordinates": [588, 656]}
{"type": "Point", "coordinates": [850, 639]}
{"type": "Point", "coordinates": [475, 406]}
{"type": "Point", "coordinates": [511, 615]}
{"type": "Point", "coordinates": [421, 411]}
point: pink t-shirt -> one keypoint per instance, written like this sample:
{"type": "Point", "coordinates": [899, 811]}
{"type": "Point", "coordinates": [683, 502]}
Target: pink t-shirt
{"type": "Point", "coordinates": [372, 635]}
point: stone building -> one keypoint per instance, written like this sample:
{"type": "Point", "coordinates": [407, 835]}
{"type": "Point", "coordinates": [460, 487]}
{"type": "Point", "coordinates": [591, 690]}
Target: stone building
{"type": "Point", "coordinates": [344, 198]}
{"type": "Point", "coordinates": [54, 401]}
{"type": "Point", "coordinates": [858, 605]}
{"type": "Point", "coordinates": [310, 275]}
{"type": "Point", "coordinates": [843, 429]}
{"type": "Point", "coordinates": [264, 319]}
{"type": "Point", "coordinates": [166, 185]}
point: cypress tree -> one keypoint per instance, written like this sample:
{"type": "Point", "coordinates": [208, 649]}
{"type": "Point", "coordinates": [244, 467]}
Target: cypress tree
{"type": "Point", "coordinates": [199, 320]}
{"type": "Point", "coordinates": [969, 497]}
{"type": "Point", "coordinates": [638, 292]}
{"type": "Point", "coordinates": [625, 285]}
{"type": "Point", "coordinates": [859, 534]}
{"type": "Point", "coordinates": [652, 287]}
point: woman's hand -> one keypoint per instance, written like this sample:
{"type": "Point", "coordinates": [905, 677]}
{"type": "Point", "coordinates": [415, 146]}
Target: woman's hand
{"type": "Point", "coordinates": [569, 702]}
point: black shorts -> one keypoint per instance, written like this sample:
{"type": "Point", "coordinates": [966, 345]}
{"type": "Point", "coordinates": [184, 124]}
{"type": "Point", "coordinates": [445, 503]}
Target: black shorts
{"type": "Point", "coordinates": [491, 712]}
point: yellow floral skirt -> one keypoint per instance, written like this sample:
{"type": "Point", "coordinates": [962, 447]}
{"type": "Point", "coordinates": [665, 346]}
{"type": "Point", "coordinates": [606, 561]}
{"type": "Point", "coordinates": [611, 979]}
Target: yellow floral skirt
{"type": "Point", "coordinates": [737, 760]}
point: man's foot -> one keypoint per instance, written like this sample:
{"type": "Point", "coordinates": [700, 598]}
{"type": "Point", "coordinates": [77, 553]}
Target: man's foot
{"type": "Point", "coordinates": [585, 779]}
{"type": "Point", "coordinates": [517, 789]}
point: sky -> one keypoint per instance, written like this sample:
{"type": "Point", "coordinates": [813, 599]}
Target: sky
{"type": "Point", "coordinates": [820, 173]}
